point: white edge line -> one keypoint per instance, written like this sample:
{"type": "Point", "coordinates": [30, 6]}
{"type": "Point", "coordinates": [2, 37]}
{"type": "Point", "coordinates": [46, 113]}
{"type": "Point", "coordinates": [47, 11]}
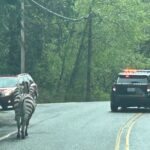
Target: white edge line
{"type": "Point", "coordinates": [8, 135]}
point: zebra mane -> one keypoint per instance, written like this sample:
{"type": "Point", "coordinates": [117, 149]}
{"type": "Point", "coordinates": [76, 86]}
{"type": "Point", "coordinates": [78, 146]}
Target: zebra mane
{"type": "Point", "coordinates": [31, 91]}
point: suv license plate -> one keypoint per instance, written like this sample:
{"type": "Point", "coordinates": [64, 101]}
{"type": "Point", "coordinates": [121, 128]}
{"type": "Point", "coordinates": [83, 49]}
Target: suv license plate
{"type": "Point", "coordinates": [130, 89]}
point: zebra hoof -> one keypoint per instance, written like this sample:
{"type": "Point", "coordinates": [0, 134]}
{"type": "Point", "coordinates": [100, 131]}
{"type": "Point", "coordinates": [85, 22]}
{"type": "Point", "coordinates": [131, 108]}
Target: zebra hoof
{"type": "Point", "coordinates": [23, 136]}
{"type": "Point", "coordinates": [18, 136]}
{"type": "Point", "coordinates": [26, 134]}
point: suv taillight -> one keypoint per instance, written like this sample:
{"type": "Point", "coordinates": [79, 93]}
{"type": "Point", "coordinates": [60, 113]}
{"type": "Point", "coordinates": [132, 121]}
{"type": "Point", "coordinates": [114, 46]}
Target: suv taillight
{"type": "Point", "coordinates": [148, 88]}
{"type": "Point", "coordinates": [114, 89]}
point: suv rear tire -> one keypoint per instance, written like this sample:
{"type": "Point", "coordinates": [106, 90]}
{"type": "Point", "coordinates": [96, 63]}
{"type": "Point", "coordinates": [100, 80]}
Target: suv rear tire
{"type": "Point", "coordinates": [114, 107]}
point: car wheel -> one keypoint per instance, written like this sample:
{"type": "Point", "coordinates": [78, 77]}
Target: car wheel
{"type": "Point", "coordinates": [114, 107]}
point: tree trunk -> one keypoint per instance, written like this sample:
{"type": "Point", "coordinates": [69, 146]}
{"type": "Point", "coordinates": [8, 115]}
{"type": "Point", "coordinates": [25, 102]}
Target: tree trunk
{"type": "Point", "coordinates": [76, 64]}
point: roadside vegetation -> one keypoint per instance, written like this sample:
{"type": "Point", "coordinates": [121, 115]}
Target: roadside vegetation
{"type": "Point", "coordinates": [75, 60]}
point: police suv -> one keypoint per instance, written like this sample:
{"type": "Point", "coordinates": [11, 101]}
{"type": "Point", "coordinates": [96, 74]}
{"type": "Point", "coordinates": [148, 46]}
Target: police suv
{"type": "Point", "coordinates": [132, 89]}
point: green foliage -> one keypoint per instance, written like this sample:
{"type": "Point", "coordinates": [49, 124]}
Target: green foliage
{"type": "Point", "coordinates": [56, 49]}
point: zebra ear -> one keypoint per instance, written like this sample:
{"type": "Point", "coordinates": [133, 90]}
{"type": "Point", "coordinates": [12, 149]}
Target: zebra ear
{"type": "Point", "coordinates": [33, 85]}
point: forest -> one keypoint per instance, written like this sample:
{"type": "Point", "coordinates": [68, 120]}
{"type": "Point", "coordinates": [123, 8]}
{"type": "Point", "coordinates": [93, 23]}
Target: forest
{"type": "Point", "coordinates": [74, 49]}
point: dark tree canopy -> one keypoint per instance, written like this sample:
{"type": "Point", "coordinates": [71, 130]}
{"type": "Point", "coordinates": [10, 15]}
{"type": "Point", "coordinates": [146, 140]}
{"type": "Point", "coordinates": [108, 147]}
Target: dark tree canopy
{"type": "Point", "coordinates": [69, 59]}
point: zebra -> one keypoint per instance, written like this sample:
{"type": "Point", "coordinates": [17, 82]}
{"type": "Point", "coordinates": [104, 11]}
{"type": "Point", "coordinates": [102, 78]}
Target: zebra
{"type": "Point", "coordinates": [24, 106]}
{"type": "Point", "coordinates": [32, 92]}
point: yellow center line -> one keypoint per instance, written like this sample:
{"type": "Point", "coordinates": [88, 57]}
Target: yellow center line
{"type": "Point", "coordinates": [129, 131]}
{"type": "Point", "coordinates": [129, 124]}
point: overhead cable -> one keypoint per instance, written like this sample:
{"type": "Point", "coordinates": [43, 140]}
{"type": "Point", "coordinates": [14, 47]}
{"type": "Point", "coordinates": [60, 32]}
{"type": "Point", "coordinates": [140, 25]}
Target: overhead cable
{"type": "Point", "coordinates": [58, 15]}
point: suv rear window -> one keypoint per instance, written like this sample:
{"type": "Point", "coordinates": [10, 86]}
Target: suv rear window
{"type": "Point", "coordinates": [6, 82]}
{"type": "Point", "coordinates": [132, 79]}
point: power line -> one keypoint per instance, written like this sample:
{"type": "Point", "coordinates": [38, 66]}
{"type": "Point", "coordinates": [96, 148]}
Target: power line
{"type": "Point", "coordinates": [58, 15]}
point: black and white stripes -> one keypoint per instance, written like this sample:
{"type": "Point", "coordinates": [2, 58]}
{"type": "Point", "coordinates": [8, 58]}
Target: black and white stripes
{"type": "Point", "coordinates": [24, 106]}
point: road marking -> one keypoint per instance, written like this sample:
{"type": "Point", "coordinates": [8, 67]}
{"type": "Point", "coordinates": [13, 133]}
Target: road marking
{"type": "Point", "coordinates": [129, 131]}
{"type": "Point", "coordinates": [128, 125]}
{"type": "Point", "coordinates": [8, 135]}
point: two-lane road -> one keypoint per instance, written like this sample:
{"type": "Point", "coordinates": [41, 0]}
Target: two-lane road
{"type": "Point", "coordinates": [80, 126]}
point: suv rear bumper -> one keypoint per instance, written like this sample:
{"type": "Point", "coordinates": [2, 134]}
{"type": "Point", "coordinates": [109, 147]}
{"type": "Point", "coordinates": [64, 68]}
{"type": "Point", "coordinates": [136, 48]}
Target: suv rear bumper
{"type": "Point", "coordinates": [129, 101]}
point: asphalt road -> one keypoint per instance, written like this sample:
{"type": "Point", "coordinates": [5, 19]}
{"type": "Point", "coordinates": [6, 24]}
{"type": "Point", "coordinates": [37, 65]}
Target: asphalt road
{"type": "Point", "coordinates": [79, 126]}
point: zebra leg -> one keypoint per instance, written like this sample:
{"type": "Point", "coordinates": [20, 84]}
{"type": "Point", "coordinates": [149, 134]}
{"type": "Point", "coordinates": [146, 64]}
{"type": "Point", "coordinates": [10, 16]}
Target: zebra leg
{"type": "Point", "coordinates": [23, 127]}
{"type": "Point", "coordinates": [18, 126]}
{"type": "Point", "coordinates": [23, 130]}
{"type": "Point", "coordinates": [26, 131]}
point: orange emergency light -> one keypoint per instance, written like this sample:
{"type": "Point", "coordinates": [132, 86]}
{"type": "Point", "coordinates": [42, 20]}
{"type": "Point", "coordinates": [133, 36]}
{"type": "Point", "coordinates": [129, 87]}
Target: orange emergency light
{"type": "Point", "coordinates": [128, 72]}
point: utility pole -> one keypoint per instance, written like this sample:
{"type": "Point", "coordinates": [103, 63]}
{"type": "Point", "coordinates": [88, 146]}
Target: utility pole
{"type": "Point", "coordinates": [89, 57]}
{"type": "Point", "coordinates": [22, 38]}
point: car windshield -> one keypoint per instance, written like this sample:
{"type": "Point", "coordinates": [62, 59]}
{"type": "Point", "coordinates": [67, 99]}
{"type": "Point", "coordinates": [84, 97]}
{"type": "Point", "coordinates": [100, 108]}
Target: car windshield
{"type": "Point", "coordinates": [132, 79]}
{"type": "Point", "coordinates": [8, 82]}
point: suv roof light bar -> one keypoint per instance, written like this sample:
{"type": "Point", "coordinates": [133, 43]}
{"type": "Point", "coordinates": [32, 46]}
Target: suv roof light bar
{"type": "Point", "coordinates": [136, 70]}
